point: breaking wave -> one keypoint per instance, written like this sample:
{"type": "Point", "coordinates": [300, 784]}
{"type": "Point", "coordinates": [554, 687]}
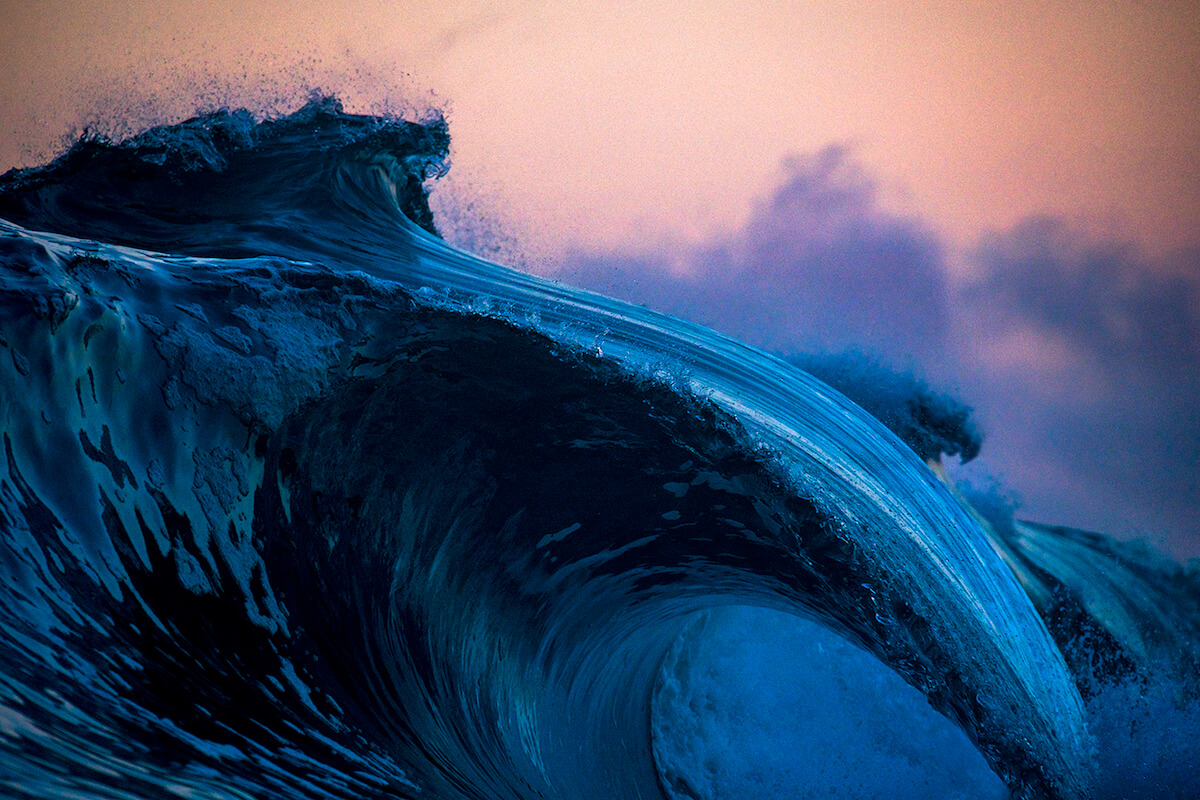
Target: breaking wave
{"type": "Point", "coordinates": [298, 500]}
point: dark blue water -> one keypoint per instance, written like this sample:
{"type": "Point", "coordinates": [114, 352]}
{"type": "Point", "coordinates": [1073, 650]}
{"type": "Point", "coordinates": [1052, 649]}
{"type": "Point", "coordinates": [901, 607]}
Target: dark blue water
{"type": "Point", "coordinates": [299, 501]}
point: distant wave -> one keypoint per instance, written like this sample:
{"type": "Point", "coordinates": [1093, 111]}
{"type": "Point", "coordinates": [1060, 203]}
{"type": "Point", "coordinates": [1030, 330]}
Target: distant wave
{"type": "Point", "coordinates": [300, 501]}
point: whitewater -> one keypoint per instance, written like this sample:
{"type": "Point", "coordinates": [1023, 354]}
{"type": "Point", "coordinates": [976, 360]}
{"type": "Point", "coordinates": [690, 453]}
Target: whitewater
{"type": "Point", "coordinates": [300, 501]}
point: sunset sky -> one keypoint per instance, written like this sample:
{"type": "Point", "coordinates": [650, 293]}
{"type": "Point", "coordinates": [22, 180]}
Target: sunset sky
{"type": "Point", "coordinates": [1004, 195]}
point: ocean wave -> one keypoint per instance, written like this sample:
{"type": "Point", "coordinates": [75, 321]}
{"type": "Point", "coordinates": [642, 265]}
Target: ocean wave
{"type": "Point", "coordinates": [300, 501]}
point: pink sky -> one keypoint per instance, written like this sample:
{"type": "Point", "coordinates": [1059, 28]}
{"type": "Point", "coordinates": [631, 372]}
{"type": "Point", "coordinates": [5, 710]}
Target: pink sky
{"type": "Point", "coordinates": [593, 122]}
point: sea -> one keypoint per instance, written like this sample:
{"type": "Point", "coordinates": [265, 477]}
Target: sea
{"type": "Point", "coordinates": [299, 501]}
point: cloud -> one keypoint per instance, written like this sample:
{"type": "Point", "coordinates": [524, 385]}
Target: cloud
{"type": "Point", "coordinates": [1079, 354]}
{"type": "Point", "coordinates": [819, 265]}
{"type": "Point", "coordinates": [1107, 397]}
{"type": "Point", "coordinates": [1132, 318]}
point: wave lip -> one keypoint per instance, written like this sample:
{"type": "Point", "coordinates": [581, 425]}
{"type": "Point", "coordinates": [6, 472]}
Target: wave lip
{"type": "Point", "coordinates": [449, 516]}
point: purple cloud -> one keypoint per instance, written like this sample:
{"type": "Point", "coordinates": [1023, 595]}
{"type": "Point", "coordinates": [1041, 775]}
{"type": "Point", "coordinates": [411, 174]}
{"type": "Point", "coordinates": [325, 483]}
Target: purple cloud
{"type": "Point", "coordinates": [1110, 417]}
{"type": "Point", "coordinates": [819, 265]}
{"type": "Point", "coordinates": [1081, 356]}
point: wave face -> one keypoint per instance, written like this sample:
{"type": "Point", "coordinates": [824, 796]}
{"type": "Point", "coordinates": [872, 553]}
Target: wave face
{"type": "Point", "coordinates": [298, 500]}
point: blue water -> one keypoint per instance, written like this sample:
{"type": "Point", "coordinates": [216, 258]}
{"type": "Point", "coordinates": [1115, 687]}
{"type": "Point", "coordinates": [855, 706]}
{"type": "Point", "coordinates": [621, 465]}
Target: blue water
{"type": "Point", "coordinates": [300, 501]}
